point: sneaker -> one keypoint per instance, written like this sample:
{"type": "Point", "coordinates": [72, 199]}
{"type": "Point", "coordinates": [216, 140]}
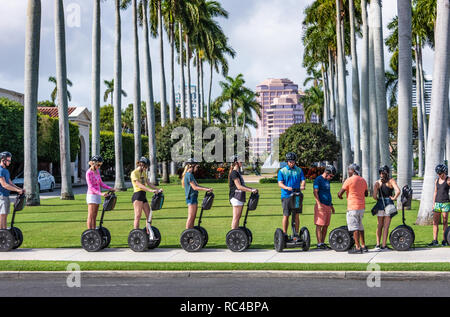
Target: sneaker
{"type": "Point", "coordinates": [355, 251]}
{"type": "Point", "coordinates": [365, 249]}
{"type": "Point", "coordinates": [377, 248]}
{"type": "Point", "coordinates": [444, 243]}
{"type": "Point", "coordinates": [434, 243]}
{"type": "Point", "coordinates": [326, 247]}
{"type": "Point", "coordinates": [386, 248]}
{"type": "Point", "coordinates": [320, 246]}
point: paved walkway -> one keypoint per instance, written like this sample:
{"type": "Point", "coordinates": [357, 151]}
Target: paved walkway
{"type": "Point", "coordinates": [225, 255]}
{"type": "Point", "coordinates": [416, 186]}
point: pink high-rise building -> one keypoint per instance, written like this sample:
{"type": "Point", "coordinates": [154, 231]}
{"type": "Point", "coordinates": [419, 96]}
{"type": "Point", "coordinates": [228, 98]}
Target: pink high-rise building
{"type": "Point", "coordinates": [280, 109]}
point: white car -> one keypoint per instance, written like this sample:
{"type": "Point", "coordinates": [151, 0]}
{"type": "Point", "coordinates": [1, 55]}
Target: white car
{"type": "Point", "coordinates": [46, 181]}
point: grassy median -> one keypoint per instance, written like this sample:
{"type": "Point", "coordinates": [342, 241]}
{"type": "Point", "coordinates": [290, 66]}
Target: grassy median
{"type": "Point", "coordinates": [59, 224]}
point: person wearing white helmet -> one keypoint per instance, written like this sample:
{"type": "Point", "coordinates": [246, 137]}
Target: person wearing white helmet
{"type": "Point", "coordinates": [441, 203]}
{"type": "Point", "coordinates": [6, 186]}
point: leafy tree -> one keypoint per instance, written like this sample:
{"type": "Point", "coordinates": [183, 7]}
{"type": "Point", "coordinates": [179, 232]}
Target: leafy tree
{"type": "Point", "coordinates": [311, 142]}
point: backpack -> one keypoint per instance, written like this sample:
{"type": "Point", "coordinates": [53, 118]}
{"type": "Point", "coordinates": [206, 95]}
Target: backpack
{"type": "Point", "coordinates": [110, 202]}
{"type": "Point", "coordinates": [208, 201]}
{"type": "Point", "coordinates": [295, 202]}
{"type": "Point", "coordinates": [157, 201]}
{"type": "Point", "coordinates": [253, 201]}
{"type": "Point", "coordinates": [19, 203]}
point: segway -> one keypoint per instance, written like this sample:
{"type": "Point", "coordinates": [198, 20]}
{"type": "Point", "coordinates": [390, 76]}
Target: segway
{"type": "Point", "coordinates": [301, 239]}
{"type": "Point", "coordinates": [341, 239]}
{"type": "Point", "coordinates": [94, 240]}
{"type": "Point", "coordinates": [138, 239]}
{"type": "Point", "coordinates": [402, 237]}
{"type": "Point", "coordinates": [192, 240]}
{"type": "Point", "coordinates": [12, 237]}
{"type": "Point", "coordinates": [240, 239]}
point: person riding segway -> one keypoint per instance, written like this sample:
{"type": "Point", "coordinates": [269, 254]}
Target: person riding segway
{"type": "Point", "coordinates": [239, 238]}
{"type": "Point", "coordinates": [441, 205]}
{"type": "Point", "coordinates": [291, 180]}
{"type": "Point", "coordinates": [149, 237]}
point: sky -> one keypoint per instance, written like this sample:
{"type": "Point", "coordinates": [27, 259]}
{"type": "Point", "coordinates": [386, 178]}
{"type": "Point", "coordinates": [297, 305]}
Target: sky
{"type": "Point", "coordinates": [266, 34]}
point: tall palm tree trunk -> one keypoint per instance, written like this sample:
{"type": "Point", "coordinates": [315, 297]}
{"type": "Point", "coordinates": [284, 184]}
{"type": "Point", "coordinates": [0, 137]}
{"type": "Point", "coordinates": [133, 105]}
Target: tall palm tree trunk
{"type": "Point", "coordinates": [202, 88]}
{"type": "Point", "coordinates": [326, 104]}
{"type": "Point", "coordinates": [337, 112]}
{"type": "Point", "coordinates": [420, 132]}
{"type": "Point", "coordinates": [117, 97]}
{"type": "Point", "coordinates": [404, 147]}
{"type": "Point", "coordinates": [61, 78]}
{"type": "Point", "coordinates": [188, 65]}
{"type": "Point", "coordinates": [373, 113]}
{"type": "Point", "coordinates": [342, 95]}
{"type": "Point", "coordinates": [197, 90]}
{"type": "Point", "coordinates": [182, 81]}
{"type": "Point", "coordinates": [172, 109]}
{"type": "Point", "coordinates": [380, 86]}
{"type": "Point", "coordinates": [137, 90]}
{"type": "Point", "coordinates": [208, 109]}
{"type": "Point", "coordinates": [150, 105]}
{"type": "Point", "coordinates": [95, 105]}
{"type": "Point", "coordinates": [31, 83]}
{"type": "Point", "coordinates": [422, 92]}
{"type": "Point", "coordinates": [365, 112]}
{"type": "Point", "coordinates": [161, 64]}
{"type": "Point", "coordinates": [355, 88]}
{"type": "Point", "coordinates": [331, 92]}
{"type": "Point", "coordinates": [439, 114]}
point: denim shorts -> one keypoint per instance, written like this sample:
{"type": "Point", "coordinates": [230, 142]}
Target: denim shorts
{"type": "Point", "coordinates": [192, 199]}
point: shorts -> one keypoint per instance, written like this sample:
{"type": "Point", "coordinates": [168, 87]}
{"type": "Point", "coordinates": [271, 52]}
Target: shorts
{"type": "Point", "coordinates": [234, 202]}
{"type": "Point", "coordinates": [5, 205]}
{"type": "Point", "coordinates": [442, 207]}
{"type": "Point", "coordinates": [381, 212]}
{"type": "Point", "coordinates": [322, 218]}
{"type": "Point", "coordinates": [192, 199]}
{"type": "Point", "coordinates": [354, 220]}
{"type": "Point", "coordinates": [94, 199]}
{"type": "Point", "coordinates": [286, 207]}
{"type": "Point", "coordinates": [139, 196]}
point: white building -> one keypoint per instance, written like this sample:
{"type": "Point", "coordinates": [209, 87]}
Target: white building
{"type": "Point", "coordinates": [193, 98]}
{"type": "Point", "coordinates": [428, 84]}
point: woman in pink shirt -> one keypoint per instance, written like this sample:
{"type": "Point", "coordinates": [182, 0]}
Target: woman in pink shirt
{"type": "Point", "coordinates": [94, 194]}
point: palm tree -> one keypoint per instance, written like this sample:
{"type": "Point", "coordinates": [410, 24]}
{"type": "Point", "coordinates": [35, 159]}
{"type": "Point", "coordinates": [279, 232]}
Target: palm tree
{"type": "Point", "coordinates": [232, 90]}
{"type": "Point", "coordinates": [95, 101]}
{"type": "Point", "coordinates": [248, 105]}
{"type": "Point", "coordinates": [32, 47]}
{"type": "Point", "coordinates": [439, 114]}
{"type": "Point", "coordinates": [117, 94]}
{"type": "Point", "coordinates": [109, 92]}
{"type": "Point", "coordinates": [404, 147]}
{"type": "Point", "coordinates": [54, 93]}
{"type": "Point", "coordinates": [313, 102]}
{"type": "Point", "coordinates": [150, 110]}
{"type": "Point", "coordinates": [61, 79]}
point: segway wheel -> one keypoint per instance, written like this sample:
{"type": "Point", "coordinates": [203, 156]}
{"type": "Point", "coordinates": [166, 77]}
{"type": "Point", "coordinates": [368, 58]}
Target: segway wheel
{"type": "Point", "coordinates": [18, 237]}
{"type": "Point", "coordinates": [6, 240]}
{"type": "Point", "coordinates": [204, 234]}
{"type": "Point", "coordinates": [106, 237]}
{"type": "Point", "coordinates": [306, 238]}
{"type": "Point", "coordinates": [138, 240]}
{"type": "Point", "coordinates": [249, 235]}
{"type": "Point", "coordinates": [191, 240]}
{"type": "Point", "coordinates": [153, 244]}
{"type": "Point", "coordinates": [237, 240]}
{"type": "Point", "coordinates": [91, 240]}
{"type": "Point", "coordinates": [279, 240]}
{"type": "Point", "coordinates": [340, 239]}
{"type": "Point", "coordinates": [401, 238]}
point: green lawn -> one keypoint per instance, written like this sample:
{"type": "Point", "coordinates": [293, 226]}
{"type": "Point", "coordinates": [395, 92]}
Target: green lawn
{"type": "Point", "coordinates": [59, 224]}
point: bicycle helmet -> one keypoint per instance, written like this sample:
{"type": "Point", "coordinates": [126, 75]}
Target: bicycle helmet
{"type": "Point", "coordinates": [291, 156]}
{"type": "Point", "coordinates": [330, 169]}
{"type": "Point", "coordinates": [355, 167]}
{"type": "Point", "coordinates": [5, 155]}
{"type": "Point", "coordinates": [97, 158]}
{"type": "Point", "coordinates": [441, 168]}
{"type": "Point", "coordinates": [144, 160]}
{"type": "Point", "coordinates": [384, 169]}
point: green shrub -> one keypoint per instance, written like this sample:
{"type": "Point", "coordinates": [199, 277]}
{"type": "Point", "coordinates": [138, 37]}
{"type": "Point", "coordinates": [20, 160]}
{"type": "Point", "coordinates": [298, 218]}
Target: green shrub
{"type": "Point", "coordinates": [271, 180]}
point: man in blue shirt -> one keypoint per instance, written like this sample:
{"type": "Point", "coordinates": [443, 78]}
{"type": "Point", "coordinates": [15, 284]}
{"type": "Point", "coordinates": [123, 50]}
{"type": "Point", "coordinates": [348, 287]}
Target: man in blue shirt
{"type": "Point", "coordinates": [6, 185]}
{"type": "Point", "coordinates": [324, 207]}
{"type": "Point", "coordinates": [290, 178]}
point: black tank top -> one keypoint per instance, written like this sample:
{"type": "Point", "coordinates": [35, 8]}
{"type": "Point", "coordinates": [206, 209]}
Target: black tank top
{"type": "Point", "coordinates": [442, 192]}
{"type": "Point", "coordinates": [386, 191]}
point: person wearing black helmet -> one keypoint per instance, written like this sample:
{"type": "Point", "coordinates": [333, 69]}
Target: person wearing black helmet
{"type": "Point", "coordinates": [324, 206]}
{"type": "Point", "coordinates": [385, 191]}
{"type": "Point", "coordinates": [141, 185]}
{"type": "Point", "coordinates": [290, 178]}
{"type": "Point", "coordinates": [6, 185]}
{"type": "Point", "coordinates": [94, 193]}
{"type": "Point", "coordinates": [441, 203]}
{"type": "Point", "coordinates": [191, 188]}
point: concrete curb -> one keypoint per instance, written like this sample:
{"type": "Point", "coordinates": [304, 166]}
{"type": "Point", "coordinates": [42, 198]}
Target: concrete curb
{"type": "Point", "coordinates": [351, 275]}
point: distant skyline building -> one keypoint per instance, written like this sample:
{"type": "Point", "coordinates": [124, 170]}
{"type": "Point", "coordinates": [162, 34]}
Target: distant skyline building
{"type": "Point", "coordinates": [280, 109]}
{"type": "Point", "coordinates": [193, 96]}
{"type": "Point", "coordinates": [427, 87]}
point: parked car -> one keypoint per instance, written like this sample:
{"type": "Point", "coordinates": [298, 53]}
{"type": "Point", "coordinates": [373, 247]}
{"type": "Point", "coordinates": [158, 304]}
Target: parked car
{"type": "Point", "coordinates": [46, 181]}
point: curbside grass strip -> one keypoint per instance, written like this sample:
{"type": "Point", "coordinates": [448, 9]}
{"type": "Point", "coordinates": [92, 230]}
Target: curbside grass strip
{"type": "Point", "coordinates": [350, 275]}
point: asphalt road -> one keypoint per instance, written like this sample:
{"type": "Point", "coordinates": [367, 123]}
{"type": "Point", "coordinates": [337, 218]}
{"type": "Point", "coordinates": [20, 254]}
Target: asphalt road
{"type": "Point", "coordinates": [219, 287]}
